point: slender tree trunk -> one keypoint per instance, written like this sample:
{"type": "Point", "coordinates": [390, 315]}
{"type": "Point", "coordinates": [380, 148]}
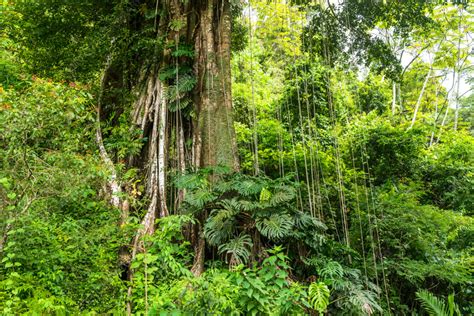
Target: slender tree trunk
{"type": "Point", "coordinates": [459, 66]}
{"type": "Point", "coordinates": [420, 96]}
{"type": "Point", "coordinates": [113, 184]}
{"type": "Point", "coordinates": [443, 122]}
{"type": "Point", "coordinates": [394, 97]}
{"type": "Point", "coordinates": [456, 100]}
{"type": "Point", "coordinates": [435, 116]}
{"type": "Point", "coordinates": [400, 100]}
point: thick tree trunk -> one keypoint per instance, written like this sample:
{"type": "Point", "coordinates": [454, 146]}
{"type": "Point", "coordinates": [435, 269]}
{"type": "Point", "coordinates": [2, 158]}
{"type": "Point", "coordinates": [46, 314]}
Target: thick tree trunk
{"type": "Point", "coordinates": [214, 139]}
{"type": "Point", "coordinates": [207, 25]}
{"type": "Point", "coordinates": [213, 136]}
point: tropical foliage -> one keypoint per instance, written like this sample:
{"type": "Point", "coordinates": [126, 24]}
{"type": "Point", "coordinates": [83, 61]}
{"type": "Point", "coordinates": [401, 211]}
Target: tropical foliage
{"type": "Point", "coordinates": [341, 183]}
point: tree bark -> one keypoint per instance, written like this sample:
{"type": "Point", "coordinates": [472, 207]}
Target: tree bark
{"type": "Point", "coordinates": [206, 25]}
{"type": "Point", "coordinates": [214, 135]}
{"type": "Point", "coordinates": [394, 97]}
{"type": "Point", "coordinates": [214, 140]}
{"type": "Point", "coordinates": [420, 97]}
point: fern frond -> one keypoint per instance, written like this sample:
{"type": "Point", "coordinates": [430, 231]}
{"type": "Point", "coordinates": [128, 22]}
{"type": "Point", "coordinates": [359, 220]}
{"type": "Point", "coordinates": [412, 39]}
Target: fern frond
{"type": "Point", "coordinates": [183, 50]}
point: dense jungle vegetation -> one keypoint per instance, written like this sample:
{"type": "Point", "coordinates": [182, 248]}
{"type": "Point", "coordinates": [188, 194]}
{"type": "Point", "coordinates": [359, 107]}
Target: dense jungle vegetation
{"type": "Point", "coordinates": [223, 157]}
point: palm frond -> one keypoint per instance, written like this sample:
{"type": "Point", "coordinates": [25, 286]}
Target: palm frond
{"type": "Point", "coordinates": [431, 304]}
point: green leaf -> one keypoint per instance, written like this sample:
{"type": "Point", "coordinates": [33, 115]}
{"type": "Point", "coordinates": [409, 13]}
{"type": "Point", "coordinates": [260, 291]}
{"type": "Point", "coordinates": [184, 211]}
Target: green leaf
{"type": "Point", "coordinates": [435, 306]}
{"type": "Point", "coordinates": [238, 249]}
{"type": "Point", "coordinates": [135, 265]}
{"type": "Point", "coordinates": [265, 195]}
{"type": "Point", "coordinates": [318, 294]}
{"type": "Point", "coordinates": [275, 226]}
{"type": "Point", "coordinates": [5, 183]}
